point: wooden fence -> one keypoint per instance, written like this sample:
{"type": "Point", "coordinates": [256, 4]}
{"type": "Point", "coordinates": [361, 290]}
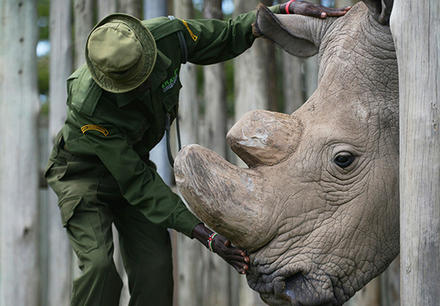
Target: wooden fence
{"type": "Point", "coordinates": [39, 265]}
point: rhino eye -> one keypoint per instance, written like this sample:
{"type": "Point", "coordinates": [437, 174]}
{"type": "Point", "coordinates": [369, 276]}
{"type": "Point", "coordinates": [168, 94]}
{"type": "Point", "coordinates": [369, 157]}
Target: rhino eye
{"type": "Point", "coordinates": [344, 159]}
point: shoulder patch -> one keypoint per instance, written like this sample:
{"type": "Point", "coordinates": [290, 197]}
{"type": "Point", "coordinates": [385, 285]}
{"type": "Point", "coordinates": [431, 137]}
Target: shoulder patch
{"type": "Point", "coordinates": [193, 36]}
{"type": "Point", "coordinates": [94, 127]}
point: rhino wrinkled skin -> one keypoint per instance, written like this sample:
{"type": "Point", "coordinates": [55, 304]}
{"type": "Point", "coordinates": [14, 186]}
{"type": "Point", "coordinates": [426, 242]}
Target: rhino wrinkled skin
{"type": "Point", "coordinates": [317, 209]}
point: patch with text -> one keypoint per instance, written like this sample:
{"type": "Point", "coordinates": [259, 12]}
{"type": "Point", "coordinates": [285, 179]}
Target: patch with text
{"type": "Point", "coordinates": [168, 84]}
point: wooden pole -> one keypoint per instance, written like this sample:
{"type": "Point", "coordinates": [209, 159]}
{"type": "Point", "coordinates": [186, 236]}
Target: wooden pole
{"type": "Point", "coordinates": [131, 7]}
{"type": "Point", "coordinates": [19, 173]}
{"type": "Point", "coordinates": [83, 23]}
{"type": "Point", "coordinates": [216, 269]}
{"type": "Point", "coordinates": [191, 272]}
{"type": "Point", "coordinates": [292, 82]}
{"type": "Point", "coordinates": [215, 92]}
{"type": "Point", "coordinates": [59, 253]}
{"type": "Point", "coordinates": [106, 7]}
{"type": "Point", "coordinates": [417, 44]}
{"type": "Point", "coordinates": [416, 30]}
{"type": "Point", "coordinates": [251, 92]}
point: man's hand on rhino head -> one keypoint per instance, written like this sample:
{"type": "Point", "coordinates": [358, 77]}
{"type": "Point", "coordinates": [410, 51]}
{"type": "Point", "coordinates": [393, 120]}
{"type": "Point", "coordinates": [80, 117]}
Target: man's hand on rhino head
{"type": "Point", "coordinates": [223, 247]}
{"type": "Point", "coordinates": [314, 10]}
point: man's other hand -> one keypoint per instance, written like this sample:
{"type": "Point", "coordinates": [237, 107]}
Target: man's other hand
{"type": "Point", "coordinates": [310, 9]}
{"type": "Point", "coordinates": [218, 244]}
{"type": "Point", "coordinates": [232, 255]}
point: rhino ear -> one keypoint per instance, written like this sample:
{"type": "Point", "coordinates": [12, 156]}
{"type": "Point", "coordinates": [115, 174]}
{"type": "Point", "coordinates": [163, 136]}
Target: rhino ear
{"type": "Point", "coordinates": [294, 33]}
{"type": "Point", "coordinates": [380, 9]}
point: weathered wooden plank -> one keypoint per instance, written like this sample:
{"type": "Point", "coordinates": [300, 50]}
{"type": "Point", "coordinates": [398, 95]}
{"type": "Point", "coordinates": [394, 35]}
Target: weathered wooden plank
{"type": "Point", "coordinates": [106, 7]}
{"type": "Point", "coordinates": [131, 7]}
{"type": "Point", "coordinates": [191, 271]}
{"type": "Point", "coordinates": [292, 82]}
{"type": "Point", "coordinates": [251, 92]}
{"type": "Point", "coordinates": [19, 281]}
{"type": "Point", "coordinates": [83, 23]}
{"type": "Point", "coordinates": [417, 40]}
{"type": "Point", "coordinates": [59, 252]}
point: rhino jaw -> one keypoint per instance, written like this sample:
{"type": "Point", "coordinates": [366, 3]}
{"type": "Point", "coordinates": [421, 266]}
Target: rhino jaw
{"type": "Point", "coordinates": [227, 198]}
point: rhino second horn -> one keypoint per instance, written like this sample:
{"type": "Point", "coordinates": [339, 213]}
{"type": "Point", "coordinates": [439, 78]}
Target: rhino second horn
{"type": "Point", "coordinates": [264, 138]}
{"type": "Point", "coordinates": [227, 198]}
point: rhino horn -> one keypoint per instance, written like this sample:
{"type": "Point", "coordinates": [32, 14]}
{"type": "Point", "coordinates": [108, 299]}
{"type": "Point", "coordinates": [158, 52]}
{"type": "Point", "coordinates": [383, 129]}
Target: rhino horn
{"type": "Point", "coordinates": [227, 198]}
{"type": "Point", "coordinates": [264, 138]}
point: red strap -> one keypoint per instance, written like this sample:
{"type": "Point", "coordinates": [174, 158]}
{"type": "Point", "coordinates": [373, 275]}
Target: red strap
{"type": "Point", "coordinates": [287, 6]}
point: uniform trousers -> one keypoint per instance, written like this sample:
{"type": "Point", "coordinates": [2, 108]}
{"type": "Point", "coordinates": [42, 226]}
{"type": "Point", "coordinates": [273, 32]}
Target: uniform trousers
{"type": "Point", "coordinates": [89, 203]}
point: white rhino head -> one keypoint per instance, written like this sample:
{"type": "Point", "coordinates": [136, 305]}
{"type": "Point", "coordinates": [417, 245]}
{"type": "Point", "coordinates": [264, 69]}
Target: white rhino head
{"type": "Point", "coordinates": [318, 208]}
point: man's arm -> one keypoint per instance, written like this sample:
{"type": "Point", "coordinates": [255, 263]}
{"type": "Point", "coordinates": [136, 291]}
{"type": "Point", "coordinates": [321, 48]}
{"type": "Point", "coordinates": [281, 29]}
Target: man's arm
{"type": "Point", "coordinates": [211, 40]}
{"type": "Point", "coordinates": [139, 184]}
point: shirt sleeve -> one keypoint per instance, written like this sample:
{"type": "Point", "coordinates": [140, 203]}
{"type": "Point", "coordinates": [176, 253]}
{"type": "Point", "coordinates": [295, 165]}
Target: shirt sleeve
{"type": "Point", "coordinates": [141, 185]}
{"type": "Point", "coordinates": [211, 41]}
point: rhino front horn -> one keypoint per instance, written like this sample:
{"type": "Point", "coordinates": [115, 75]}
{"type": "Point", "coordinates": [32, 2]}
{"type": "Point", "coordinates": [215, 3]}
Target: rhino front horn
{"type": "Point", "coordinates": [227, 198]}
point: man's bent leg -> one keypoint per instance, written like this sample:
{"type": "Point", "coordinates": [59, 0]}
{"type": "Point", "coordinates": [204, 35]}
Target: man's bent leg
{"type": "Point", "coordinates": [146, 251]}
{"type": "Point", "coordinates": [89, 232]}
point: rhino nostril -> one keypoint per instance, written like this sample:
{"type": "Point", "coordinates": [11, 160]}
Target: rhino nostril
{"type": "Point", "coordinates": [293, 282]}
{"type": "Point", "coordinates": [286, 290]}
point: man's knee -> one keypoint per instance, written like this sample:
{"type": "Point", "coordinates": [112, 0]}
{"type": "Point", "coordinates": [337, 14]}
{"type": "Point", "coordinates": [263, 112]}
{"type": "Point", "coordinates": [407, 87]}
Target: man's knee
{"type": "Point", "coordinates": [99, 263]}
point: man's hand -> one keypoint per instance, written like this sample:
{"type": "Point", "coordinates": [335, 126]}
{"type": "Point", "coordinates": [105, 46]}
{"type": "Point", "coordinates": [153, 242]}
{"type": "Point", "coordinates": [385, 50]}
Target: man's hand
{"type": "Point", "coordinates": [314, 10]}
{"type": "Point", "coordinates": [220, 245]}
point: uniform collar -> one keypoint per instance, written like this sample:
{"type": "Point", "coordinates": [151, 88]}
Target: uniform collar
{"type": "Point", "coordinates": [157, 76]}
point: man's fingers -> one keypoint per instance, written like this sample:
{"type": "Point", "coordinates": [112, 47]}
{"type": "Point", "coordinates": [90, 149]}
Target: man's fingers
{"type": "Point", "coordinates": [241, 269]}
{"type": "Point", "coordinates": [336, 12]}
{"type": "Point", "coordinates": [315, 12]}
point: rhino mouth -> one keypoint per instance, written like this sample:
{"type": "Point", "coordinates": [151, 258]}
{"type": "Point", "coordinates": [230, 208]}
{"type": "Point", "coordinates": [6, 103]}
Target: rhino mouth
{"type": "Point", "coordinates": [293, 287]}
{"type": "Point", "coordinates": [233, 201]}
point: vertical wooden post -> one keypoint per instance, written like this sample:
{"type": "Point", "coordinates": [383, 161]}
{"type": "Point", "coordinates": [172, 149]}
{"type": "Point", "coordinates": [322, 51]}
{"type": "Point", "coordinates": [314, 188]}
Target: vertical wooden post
{"type": "Point", "coordinates": [106, 7]}
{"type": "Point", "coordinates": [215, 92]}
{"type": "Point", "coordinates": [292, 82]}
{"type": "Point", "coordinates": [18, 158]}
{"type": "Point", "coordinates": [191, 272]}
{"type": "Point", "coordinates": [214, 130]}
{"type": "Point", "coordinates": [251, 92]}
{"type": "Point", "coordinates": [83, 23]}
{"type": "Point", "coordinates": [60, 254]}
{"type": "Point", "coordinates": [416, 30]}
{"type": "Point", "coordinates": [131, 7]}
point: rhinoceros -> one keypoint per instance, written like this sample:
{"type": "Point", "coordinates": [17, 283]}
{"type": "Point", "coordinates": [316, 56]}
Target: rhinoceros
{"type": "Point", "coordinates": [318, 206]}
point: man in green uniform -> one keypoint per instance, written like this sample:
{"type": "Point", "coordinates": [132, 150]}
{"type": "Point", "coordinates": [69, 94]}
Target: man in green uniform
{"type": "Point", "coordinates": [118, 107]}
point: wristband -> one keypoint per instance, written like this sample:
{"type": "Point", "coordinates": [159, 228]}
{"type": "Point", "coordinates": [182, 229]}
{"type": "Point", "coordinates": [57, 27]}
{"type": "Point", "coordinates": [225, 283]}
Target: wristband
{"type": "Point", "coordinates": [210, 239]}
{"type": "Point", "coordinates": [288, 5]}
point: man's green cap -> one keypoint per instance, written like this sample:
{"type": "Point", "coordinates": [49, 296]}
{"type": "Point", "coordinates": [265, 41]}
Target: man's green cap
{"type": "Point", "coordinates": [120, 53]}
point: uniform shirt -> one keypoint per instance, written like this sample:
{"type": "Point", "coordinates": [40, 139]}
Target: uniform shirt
{"type": "Point", "coordinates": [120, 129]}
